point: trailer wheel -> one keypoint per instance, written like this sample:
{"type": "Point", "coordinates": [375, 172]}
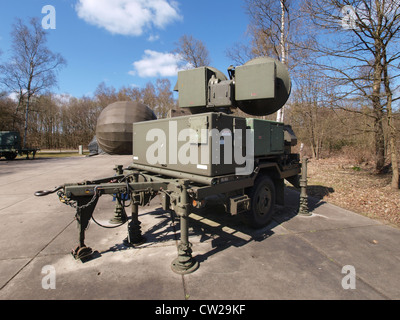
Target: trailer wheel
{"type": "Point", "coordinates": [10, 155]}
{"type": "Point", "coordinates": [262, 196]}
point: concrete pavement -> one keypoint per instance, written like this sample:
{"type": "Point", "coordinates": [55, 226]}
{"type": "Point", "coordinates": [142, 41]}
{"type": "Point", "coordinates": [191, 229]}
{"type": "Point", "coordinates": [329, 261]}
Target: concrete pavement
{"type": "Point", "coordinates": [295, 257]}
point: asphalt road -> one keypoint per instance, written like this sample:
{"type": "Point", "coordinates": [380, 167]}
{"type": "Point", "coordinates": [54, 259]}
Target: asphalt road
{"type": "Point", "coordinates": [332, 254]}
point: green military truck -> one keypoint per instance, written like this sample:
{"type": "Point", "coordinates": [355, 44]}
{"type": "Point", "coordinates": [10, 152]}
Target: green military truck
{"type": "Point", "coordinates": [10, 146]}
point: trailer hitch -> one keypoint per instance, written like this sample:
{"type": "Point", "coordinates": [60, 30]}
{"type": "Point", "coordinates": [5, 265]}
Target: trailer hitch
{"type": "Point", "coordinates": [83, 197]}
{"type": "Point", "coordinates": [43, 193]}
{"type": "Point", "coordinates": [84, 206]}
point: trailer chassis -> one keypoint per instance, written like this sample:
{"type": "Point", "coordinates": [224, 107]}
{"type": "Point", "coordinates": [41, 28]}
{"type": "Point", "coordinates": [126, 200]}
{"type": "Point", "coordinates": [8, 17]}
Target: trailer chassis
{"type": "Point", "coordinates": [180, 193]}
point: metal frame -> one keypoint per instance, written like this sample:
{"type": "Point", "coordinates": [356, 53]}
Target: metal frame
{"type": "Point", "coordinates": [179, 192]}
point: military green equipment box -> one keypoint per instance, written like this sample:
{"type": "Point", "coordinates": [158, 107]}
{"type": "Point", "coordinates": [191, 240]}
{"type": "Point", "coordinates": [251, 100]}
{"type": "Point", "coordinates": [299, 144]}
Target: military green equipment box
{"type": "Point", "coordinates": [9, 140]}
{"type": "Point", "coordinates": [268, 137]}
{"type": "Point", "coordinates": [207, 86]}
{"type": "Point", "coordinates": [209, 144]}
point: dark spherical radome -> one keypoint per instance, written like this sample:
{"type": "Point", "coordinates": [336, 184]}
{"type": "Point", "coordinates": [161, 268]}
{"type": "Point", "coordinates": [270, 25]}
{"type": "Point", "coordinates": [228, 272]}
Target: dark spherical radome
{"type": "Point", "coordinates": [114, 125]}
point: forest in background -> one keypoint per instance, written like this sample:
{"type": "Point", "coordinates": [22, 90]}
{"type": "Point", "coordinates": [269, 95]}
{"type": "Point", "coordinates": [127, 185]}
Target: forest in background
{"type": "Point", "coordinates": [344, 98]}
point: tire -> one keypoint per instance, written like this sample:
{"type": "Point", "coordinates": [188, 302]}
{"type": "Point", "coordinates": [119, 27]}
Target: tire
{"type": "Point", "coordinates": [263, 198]}
{"type": "Point", "coordinates": [10, 155]}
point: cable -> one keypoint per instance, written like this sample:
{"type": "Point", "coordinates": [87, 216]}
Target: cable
{"type": "Point", "coordinates": [117, 226]}
{"type": "Point", "coordinates": [108, 227]}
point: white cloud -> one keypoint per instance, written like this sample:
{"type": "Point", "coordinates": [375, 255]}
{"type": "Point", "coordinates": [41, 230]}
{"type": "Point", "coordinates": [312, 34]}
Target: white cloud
{"type": "Point", "coordinates": [14, 96]}
{"type": "Point", "coordinates": [154, 64]}
{"type": "Point", "coordinates": [128, 17]}
{"type": "Point", "coordinates": [151, 38]}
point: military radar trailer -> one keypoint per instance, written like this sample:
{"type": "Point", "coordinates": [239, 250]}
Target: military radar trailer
{"type": "Point", "coordinates": [210, 152]}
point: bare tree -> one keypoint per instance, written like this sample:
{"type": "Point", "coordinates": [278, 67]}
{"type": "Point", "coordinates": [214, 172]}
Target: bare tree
{"type": "Point", "coordinates": [105, 96]}
{"type": "Point", "coordinates": [390, 120]}
{"type": "Point", "coordinates": [7, 114]}
{"type": "Point", "coordinates": [270, 24]}
{"type": "Point", "coordinates": [274, 30]}
{"type": "Point", "coordinates": [32, 67]}
{"type": "Point", "coordinates": [192, 52]}
{"type": "Point", "coordinates": [165, 100]}
{"type": "Point", "coordinates": [364, 45]}
{"type": "Point", "coordinates": [149, 95]}
{"type": "Point", "coordinates": [306, 113]}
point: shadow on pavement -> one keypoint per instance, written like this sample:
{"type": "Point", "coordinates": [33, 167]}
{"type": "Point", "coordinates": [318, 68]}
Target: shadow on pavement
{"type": "Point", "coordinates": [211, 225]}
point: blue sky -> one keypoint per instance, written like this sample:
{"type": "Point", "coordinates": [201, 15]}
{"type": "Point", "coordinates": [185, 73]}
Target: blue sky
{"type": "Point", "coordinates": [127, 42]}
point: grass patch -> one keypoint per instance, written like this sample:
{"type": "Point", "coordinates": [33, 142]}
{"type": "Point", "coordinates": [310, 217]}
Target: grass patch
{"type": "Point", "coordinates": [54, 154]}
{"type": "Point", "coordinates": [60, 154]}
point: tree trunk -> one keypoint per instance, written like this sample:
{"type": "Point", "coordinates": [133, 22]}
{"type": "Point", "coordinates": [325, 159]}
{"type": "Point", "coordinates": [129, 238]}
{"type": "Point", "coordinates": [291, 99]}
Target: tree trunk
{"type": "Point", "coordinates": [377, 109]}
{"type": "Point", "coordinates": [379, 141]}
{"type": "Point", "coordinates": [392, 130]}
{"type": "Point", "coordinates": [280, 114]}
{"type": "Point", "coordinates": [26, 120]}
{"type": "Point", "coordinates": [393, 155]}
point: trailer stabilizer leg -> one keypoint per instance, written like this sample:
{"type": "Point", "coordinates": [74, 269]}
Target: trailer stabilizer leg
{"type": "Point", "coordinates": [135, 237]}
{"type": "Point", "coordinates": [81, 253]}
{"type": "Point", "coordinates": [84, 212]}
{"type": "Point", "coordinates": [119, 216]}
{"type": "Point", "coordinates": [303, 205]}
{"type": "Point", "coordinates": [184, 263]}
